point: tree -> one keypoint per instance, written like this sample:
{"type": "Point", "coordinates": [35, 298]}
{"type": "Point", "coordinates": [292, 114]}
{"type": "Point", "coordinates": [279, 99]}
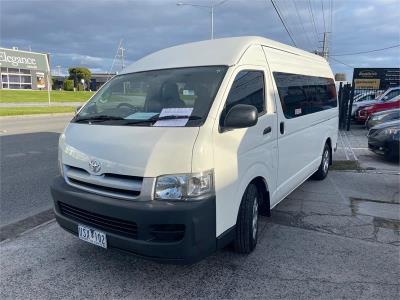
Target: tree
{"type": "Point", "coordinates": [68, 85]}
{"type": "Point", "coordinates": [78, 73]}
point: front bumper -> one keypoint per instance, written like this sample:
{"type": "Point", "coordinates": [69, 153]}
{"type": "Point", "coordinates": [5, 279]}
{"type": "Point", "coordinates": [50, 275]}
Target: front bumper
{"type": "Point", "coordinates": [384, 146]}
{"type": "Point", "coordinates": [176, 232]}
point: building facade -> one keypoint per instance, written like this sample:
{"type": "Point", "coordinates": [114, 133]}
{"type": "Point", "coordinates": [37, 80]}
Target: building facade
{"type": "Point", "coordinates": [24, 70]}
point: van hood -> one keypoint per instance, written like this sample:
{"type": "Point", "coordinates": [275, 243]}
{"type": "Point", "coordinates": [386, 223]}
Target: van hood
{"type": "Point", "coordinates": [129, 150]}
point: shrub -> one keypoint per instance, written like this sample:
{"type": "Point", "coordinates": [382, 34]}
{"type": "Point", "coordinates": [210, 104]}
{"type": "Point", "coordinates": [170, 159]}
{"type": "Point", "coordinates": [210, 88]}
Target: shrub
{"type": "Point", "coordinates": [68, 85]}
{"type": "Point", "coordinates": [81, 87]}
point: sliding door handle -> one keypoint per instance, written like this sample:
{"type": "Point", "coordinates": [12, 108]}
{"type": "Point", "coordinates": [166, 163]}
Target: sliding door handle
{"type": "Point", "coordinates": [282, 127]}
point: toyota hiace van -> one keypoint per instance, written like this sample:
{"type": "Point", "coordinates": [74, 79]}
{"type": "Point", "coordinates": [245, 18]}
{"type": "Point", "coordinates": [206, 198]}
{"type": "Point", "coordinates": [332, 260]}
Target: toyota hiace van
{"type": "Point", "coordinates": [179, 154]}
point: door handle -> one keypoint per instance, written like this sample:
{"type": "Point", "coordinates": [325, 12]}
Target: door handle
{"type": "Point", "coordinates": [282, 127]}
{"type": "Point", "coordinates": [267, 130]}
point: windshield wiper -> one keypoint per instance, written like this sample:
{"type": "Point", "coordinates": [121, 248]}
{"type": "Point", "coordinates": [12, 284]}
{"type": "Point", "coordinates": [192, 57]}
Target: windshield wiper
{"type": "Point", "coordinates": [156, 118]}
{"type": "Point", "coordinates": [98, 118]}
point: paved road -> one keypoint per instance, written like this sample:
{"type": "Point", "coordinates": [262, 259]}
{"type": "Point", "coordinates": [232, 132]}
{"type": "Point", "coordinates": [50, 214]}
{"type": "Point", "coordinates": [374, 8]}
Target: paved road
{"type": "Point", "coordinates": [28, 104]}
{"type": "Point", "coordinates": [28, 163]}
{"type": "Point", "coordinates": [338, 238]}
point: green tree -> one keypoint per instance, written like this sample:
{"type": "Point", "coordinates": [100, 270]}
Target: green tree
{"type": "Point", "coordinates": [68, 85]}
{"type": "Point", "coordinates": [78, 73]}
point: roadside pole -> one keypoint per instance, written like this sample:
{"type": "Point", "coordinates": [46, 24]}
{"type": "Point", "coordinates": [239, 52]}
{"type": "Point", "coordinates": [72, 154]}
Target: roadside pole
{"type": "Point", "coordinates": [48, 88]}
{"type": "Point", "coordinates": [48, 79]}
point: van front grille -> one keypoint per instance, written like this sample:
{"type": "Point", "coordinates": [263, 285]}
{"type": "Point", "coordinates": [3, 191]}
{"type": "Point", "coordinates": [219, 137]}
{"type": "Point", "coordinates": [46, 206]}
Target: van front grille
{"type": "Point", "coordinates": [109, 224]}
{"type": "Point", "coordinates": [107, 184]}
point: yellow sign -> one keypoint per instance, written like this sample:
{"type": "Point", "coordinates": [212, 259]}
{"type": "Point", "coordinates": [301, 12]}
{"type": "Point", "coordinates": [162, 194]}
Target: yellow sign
{"type": "Point", "coordinates": [367, 84]}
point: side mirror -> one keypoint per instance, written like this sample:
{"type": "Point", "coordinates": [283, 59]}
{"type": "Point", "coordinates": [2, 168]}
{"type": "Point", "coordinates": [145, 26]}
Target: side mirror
{"type": "Point", "coordinates": [77, 109]}
{"type": "Point", "coordinates": [240, 116]}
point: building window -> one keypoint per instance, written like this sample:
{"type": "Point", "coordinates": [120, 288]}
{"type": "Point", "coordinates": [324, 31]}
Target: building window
{"type": "Point", "coordinates": [13, 78]}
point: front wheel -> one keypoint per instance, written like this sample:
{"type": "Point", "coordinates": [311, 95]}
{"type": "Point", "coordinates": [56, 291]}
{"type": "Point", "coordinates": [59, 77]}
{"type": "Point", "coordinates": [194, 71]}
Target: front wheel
{"type": "Point", "coordinates": [247, 221]}
{"type": "Point", "coordinates": [322, 171]}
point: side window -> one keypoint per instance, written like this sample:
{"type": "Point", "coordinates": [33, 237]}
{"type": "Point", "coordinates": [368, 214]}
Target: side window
{"type": "Point", "coordinates": [302, 95]}
{"type": "Point", "coordinates": [247, 88]}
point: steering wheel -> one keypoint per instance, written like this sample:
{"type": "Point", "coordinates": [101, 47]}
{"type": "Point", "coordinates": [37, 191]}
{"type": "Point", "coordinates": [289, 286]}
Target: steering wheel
{"type": "Point", "coordinates": [127, 105]}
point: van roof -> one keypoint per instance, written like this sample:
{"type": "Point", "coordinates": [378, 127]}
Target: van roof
{"type": "Point", "coordinates": [224, 51]}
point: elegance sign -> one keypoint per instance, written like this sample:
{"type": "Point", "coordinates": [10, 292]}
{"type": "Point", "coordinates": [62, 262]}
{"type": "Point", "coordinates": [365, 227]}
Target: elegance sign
{"type": "Point", "coordinates": [22, 59]}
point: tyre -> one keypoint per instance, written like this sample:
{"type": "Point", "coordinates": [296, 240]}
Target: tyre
{"type": "Point", "coordinates": [322, 171]}
{"type": "Point", "coordinates": [247, 221]}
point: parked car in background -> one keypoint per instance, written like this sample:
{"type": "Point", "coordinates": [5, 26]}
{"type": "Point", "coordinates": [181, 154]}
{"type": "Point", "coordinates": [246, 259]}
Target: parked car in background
{"type": "Point", "coordinates": [382, 117]}
{"type": "Point", "coordinates": [366, 96]}
{"type": "Point", "coordinates": [384, 139]}
{"type": "Point", "coordinates": [386, 96]}
{"type": "Point", "coordinates": [363, 113]}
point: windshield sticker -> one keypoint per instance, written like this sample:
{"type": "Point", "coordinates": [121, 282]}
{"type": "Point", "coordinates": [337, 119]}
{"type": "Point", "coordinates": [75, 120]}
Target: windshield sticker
{"type": "Point", "coordinates": [188, 93]}
{"type": "Point", "coordinates": [141, 116]}
{"type": "Point", "coordinates": [179, 111]}
{"type": "Point", "coordinates": [171, 123]}
{"type": "Point", "coordinates": [297, 111]}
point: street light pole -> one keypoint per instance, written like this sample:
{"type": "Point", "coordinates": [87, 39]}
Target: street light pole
{"type": "Point", "coordinates": [212, 22]}
{"type": "Point", "coordinates": [210, 7]}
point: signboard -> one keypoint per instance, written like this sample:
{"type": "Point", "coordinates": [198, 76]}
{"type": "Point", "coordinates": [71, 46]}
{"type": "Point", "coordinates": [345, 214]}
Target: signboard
{"type": "Point", "coordinates": [40, 80]}
{"type": "Point", "coordinates": [23, 60]}
{"type": "Point", "coordinates": [376, 78]}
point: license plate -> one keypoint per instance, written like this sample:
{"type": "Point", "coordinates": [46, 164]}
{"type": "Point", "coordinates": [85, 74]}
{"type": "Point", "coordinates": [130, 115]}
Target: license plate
{"type": "Point", "coordinates": [92, 236]}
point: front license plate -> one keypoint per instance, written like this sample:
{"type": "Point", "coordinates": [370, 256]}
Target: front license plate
{"type": "Point", "coordinates": [92, 236]}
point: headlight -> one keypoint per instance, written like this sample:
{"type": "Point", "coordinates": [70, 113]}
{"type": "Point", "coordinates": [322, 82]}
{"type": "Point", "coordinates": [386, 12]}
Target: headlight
{"type": "Point", "coordinates": [184, 186]}
{"type": "Point", "coordinates": [378, 117]}
{"type": "Point", "coordinates": [60, 143]}
{"type": "Point", "coordinates": [390, 131]}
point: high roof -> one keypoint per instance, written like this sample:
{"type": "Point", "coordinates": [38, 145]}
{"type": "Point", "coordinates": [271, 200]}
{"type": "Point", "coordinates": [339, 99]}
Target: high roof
{"type": "Point", "coordinates": [224, 51]}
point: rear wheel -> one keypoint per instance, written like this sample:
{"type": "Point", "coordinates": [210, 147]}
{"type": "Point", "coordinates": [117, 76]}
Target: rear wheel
{"type": "Point", "coordinates": [247, 221]}
{"type": "Point", "coordinates": [322, 171]}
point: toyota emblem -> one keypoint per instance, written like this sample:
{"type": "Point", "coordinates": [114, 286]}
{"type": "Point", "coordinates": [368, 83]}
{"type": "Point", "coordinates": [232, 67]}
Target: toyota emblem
{"type": "Point", "coordinates": [95, 166]}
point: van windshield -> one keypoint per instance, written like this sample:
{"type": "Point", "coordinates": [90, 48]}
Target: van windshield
{"type": "Point", "coordinates": [183, 96]}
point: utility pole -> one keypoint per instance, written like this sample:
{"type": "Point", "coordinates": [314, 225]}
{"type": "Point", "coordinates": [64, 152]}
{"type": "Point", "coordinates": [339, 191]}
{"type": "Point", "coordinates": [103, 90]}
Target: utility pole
{"type": "Point", "coordinates": [122, 57]}
{"type": "Point", "coordinates": [325, 48]}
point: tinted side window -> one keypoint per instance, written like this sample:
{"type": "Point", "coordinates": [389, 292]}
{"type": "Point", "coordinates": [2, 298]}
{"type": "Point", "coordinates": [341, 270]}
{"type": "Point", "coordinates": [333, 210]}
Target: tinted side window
{"type": "Point", "coordinates": [301, 95]}
{"type": "Point", "coordinates": [248, 88]}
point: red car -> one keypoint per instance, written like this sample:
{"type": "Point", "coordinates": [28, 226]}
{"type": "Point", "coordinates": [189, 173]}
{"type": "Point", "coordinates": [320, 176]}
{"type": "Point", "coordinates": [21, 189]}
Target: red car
{"type": "Point", "coordinates": [363, 113]}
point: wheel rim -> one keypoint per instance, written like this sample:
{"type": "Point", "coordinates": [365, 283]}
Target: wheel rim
{"type": "Point", "coordinates": [255, 218]}
{"type": "Point", "coordinates": [325, 161]}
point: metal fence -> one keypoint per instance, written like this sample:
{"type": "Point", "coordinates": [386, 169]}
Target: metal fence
{"type": "Point", "coordinates": [347, 96]}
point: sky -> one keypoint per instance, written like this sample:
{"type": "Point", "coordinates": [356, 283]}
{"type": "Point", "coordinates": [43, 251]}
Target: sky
{"type": "Point", "coordinates": [88, 32]}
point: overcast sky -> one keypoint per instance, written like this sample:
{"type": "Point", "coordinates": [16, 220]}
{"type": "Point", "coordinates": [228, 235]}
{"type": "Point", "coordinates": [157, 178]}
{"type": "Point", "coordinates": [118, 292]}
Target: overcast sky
{"type": "Point", "coordinates": [87, 33]}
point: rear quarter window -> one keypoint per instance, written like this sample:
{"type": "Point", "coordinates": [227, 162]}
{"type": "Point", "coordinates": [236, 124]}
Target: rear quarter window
{"type": "Point", "coordinates": [302, 95]}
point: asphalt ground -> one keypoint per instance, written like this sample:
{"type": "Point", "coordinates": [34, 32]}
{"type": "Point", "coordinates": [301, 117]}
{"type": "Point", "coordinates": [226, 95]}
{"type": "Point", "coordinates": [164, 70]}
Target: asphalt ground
{"type": "Point", "coordinates": [337, 238]}
{"type": "Point", "coordinates": [324, 241]}
{"type": "Point", "coordinates": [28, 160]}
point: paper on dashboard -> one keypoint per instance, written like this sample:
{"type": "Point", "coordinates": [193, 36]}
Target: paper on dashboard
{"type": "Point", "coordinates": [179, 113]}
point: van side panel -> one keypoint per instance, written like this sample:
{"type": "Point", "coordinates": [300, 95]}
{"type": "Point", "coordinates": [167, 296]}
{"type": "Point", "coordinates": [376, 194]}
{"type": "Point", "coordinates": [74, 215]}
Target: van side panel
{"type": "Point", "coordinates": [301, 144]}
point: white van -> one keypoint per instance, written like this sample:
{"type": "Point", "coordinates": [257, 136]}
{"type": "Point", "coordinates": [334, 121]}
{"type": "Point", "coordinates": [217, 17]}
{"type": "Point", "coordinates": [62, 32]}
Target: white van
{"type": "Point", "coordinates": [178, 155]}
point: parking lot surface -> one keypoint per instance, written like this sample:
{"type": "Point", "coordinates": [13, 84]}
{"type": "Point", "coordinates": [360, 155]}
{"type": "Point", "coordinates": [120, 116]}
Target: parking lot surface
{"type": "Point", "coordinates": [326, 240]}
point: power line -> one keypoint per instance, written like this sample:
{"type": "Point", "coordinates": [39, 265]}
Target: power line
{"type": "Point", "coordinates": [302, 25]}
{"type": "Point", "coordinates": [369, 51]}
{"type": "Point", "coordinates": [340, 62]}
{"type": "Point", "coordinates": [313, 20]}
{"type": "Point", "coordinates": [323, 14]}
{"type": "Point", "coordinates": [284, 25]}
